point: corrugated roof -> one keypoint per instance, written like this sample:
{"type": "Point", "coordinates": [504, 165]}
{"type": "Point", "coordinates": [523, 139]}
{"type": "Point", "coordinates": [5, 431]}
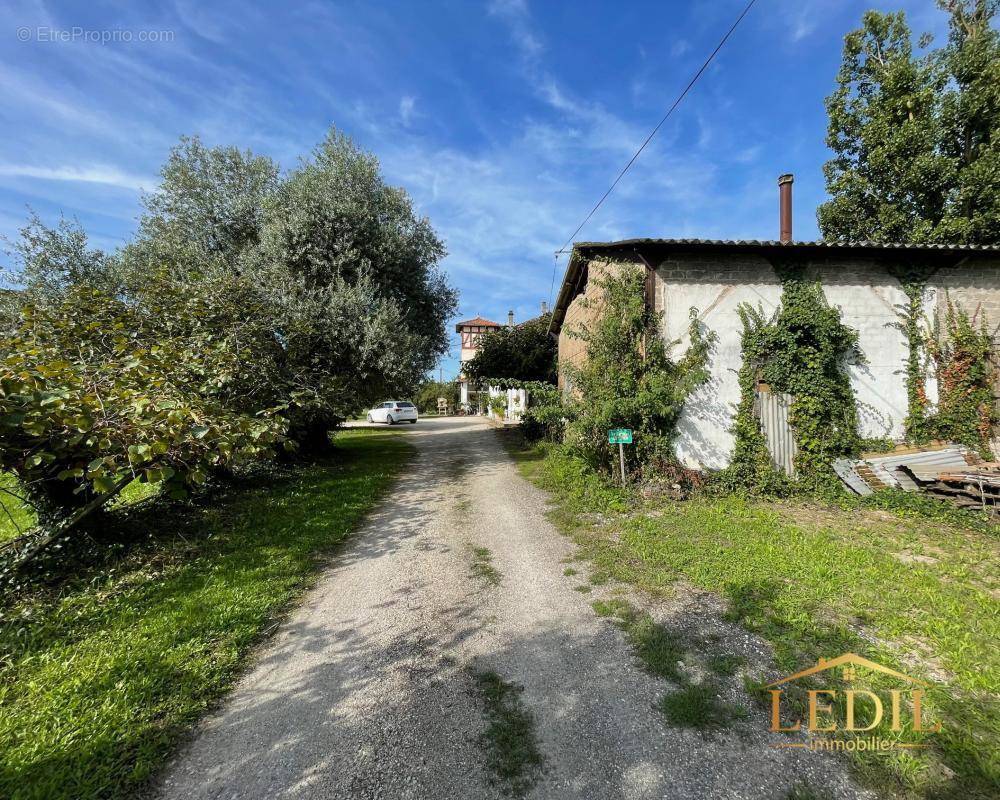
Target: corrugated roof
{"type": "Point", "coordinates": [581, 250]}
{"type": "Point", "coordinates": [751, 243]}
{"type": "Point", "coordinates": [478, 321]}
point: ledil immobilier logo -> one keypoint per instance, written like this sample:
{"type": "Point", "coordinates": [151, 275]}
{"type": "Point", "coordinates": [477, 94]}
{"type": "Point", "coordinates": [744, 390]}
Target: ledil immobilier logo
{"type": "Point", "coordinates": [828, 715]}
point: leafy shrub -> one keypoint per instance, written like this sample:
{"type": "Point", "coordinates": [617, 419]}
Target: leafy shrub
{"type": "Point", "coordinates": [498, 405]}
{"type": "Point", "coordinates": [627, 379]}
{"type": "Point", "coordinates": [545, 418]}
{"type": "Point", "coordinates": [93, 396]}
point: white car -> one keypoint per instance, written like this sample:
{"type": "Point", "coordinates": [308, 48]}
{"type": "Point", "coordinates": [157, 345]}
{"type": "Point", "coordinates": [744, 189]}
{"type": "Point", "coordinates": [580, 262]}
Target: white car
{"type": "Point", "coordinates": [393, 411]}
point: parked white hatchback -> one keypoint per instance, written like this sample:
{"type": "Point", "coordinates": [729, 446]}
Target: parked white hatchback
{"type": "Point", "coordinates": [393, 411]}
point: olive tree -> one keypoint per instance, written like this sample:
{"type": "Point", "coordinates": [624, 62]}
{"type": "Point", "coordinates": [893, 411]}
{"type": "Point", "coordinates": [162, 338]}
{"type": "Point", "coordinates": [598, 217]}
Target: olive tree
{"type": "Point", "coordinates": [341, 275]}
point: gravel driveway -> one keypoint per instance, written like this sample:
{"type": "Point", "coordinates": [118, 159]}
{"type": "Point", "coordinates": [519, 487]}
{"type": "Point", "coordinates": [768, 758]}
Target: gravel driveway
{"type": "Point", "coordinates": [366, 690]}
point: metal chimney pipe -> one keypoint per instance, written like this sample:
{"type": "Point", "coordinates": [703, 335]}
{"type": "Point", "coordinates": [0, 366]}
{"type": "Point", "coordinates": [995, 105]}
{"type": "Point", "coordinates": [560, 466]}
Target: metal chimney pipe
{"type": "Point", "coordinates": [545, 307]}
{"type": "Point", "coordinates": [510, 318]}
{"type": "Point", "coordinates": [785, 207]}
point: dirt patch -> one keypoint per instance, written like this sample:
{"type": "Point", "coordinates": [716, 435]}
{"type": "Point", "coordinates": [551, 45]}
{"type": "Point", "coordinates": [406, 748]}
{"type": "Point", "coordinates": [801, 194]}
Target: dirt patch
{"type": "Point", "coordinates": [914, 558]}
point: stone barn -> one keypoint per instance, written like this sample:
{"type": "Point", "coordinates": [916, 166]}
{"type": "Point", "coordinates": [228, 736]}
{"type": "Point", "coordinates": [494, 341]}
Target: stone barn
{"type": "Point", "coordinates": [715, 277]}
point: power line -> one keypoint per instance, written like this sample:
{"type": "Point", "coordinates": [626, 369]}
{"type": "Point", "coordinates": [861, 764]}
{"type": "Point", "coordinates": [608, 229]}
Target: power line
{"type": "Point", "coordinates": [649, 138]}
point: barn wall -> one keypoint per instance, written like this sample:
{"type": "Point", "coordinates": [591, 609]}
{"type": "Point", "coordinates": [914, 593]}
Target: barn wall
{"type": "Point", "coordinates": [580, 313]}
{"type": "Point", "coordinates": [715, 286]}
{"type": "Point", "coordinates": [864, 290]}
{"type": "Point", "coordinates": [868, 297]}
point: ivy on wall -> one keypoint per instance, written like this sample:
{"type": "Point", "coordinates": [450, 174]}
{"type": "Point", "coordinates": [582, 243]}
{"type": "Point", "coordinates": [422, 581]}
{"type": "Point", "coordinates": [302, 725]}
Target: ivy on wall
{"type": "Point", "coordinates": [913, 281]}
{"type": "Point", "coordinates": [628, 379]}
{"type": "Point", "coordinates": [916, 386]}
{"type": "Point", "coordinates": [960, 348]}
{"type": "Point", "coordinates": [802, 350]}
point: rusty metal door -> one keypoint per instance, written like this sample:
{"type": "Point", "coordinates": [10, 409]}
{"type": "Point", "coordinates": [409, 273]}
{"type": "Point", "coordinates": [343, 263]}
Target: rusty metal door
{"type": "Point", "coordinates": [773, 410]}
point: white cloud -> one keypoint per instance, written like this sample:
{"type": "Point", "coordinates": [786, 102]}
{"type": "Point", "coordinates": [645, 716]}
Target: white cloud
{"type": "Point", "coordinates": [196, 17]}
{"type": "Point", "coordinates": [516, 15]}
{"type": "Point", "coordinates": [407, 109]}
{"type": "Point", "coordinates": [105, 175]}
{"type": "Point", "coordinates": [802, 27]}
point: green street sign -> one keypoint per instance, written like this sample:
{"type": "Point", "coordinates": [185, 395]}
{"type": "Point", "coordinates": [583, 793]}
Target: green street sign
{"type": "Point", "coordinates": [620, 436]}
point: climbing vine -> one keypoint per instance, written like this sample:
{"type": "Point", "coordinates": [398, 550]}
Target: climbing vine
{"type": "Point", "coordinates": [750, 467]}
{"type": "Point", "coordinates": [532, 387]}
{"type": "Point", "coordinates": [960, 349]}
{"type": "Point", "coordinates": [628, 380]}
{"type": "Point", "coordinates": [913, 281]}
{"type": "Point", "coordinates": [916, 387]}
{"type": "Point", "coordinates": [802, 350]}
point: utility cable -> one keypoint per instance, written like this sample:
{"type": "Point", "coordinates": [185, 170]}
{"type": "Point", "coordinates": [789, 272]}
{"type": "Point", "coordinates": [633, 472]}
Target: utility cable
{"type": "Point", "coordinates": [666, 116]}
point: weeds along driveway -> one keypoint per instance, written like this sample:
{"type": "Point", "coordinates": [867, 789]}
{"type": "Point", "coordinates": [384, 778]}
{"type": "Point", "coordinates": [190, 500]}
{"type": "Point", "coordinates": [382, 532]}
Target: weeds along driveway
{"type": "Point", "coordinates": [447, 655]}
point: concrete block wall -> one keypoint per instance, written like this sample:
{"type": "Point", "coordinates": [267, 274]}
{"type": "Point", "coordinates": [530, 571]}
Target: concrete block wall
{"type": "Point", "coordinates": [869, 298]}
{"type": "Point", "coordinates": [974, 284]}
{"type": "Point", "coordinates": [715, 287]}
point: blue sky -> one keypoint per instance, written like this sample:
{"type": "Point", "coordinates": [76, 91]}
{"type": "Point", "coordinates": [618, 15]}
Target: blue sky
{"type": "Point", "coordinates": [504, 119]}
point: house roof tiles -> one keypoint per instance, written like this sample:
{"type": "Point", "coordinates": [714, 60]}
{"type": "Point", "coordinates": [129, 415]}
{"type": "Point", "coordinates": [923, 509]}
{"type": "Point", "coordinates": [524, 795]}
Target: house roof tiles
{"type": "Point", "coordinates": [480, 322]}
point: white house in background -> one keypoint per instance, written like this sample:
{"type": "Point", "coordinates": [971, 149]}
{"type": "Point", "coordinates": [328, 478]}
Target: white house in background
{"type": "Point", "coordinates": [473, 400]}
{"type": "Point", "coordinates": [471, 330]}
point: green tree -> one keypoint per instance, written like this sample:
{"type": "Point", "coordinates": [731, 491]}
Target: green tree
{"type": "Point", "coordinates": [210, 204]}
{"type": "Point", "coordinates": [971, 121]}
{"type": "Point", "coordinates": [429, 392]}
{"type": "Point", "coordinates": [914, 137]}
{"type": "Point", "coordinates": [336, 220]}
{"type": "Point", "coordinates": [50, 261]}
{"type": "Point", "coordinates": [327, 272]}
{"type": "Point", "coordinates": [523, 352]}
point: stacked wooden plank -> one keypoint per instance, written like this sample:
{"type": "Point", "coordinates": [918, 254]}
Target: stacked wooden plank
{"type": "Point", "coordinates": [975, 487]}
{"type": "Point", "coordinates": [945, 470]}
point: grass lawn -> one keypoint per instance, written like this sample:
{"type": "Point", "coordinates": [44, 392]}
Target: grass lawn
{"type": "Point", "coordinates": [102, 675]}
{"type": "Point", "coordinates": [910, 591]}
{"type": "Point", "coordinates": [16, 517]}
